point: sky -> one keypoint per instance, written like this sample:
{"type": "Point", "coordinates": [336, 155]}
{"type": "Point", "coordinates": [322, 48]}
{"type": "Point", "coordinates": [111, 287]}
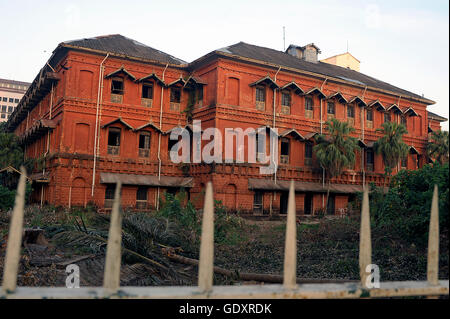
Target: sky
{"type": "Point", "coordinates": [404, 43]}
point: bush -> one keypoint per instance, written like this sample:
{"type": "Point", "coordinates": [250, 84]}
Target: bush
{"type": "Point", "coordinates": [405, 208]}
{"type": "Point", "coordinates": [8, 197]}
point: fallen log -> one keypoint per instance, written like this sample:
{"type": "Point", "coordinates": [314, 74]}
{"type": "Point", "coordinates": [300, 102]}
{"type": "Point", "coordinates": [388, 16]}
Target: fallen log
{"type": "Point", "coordinates": [250, 276]}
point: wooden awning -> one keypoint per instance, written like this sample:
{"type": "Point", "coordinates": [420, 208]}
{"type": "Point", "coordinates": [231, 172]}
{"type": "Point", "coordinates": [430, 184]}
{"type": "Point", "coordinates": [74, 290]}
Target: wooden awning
{"type": "Point", "coordinates": [293, 86]}
{"type": "Point", "coordinates": [362, 144]}
{"type": "Point", "coordinates": [41, 177]}
{"type": "Point", "coordinates": [292, 132]}
{"type": "Point", "coordinates": [395, 108]}
{"type": "Point", "coordinates": [339, 97]}
{"type": "Point", "coordinates": [413, 150]}
{"type": "Point", "coordinates": [180, 81]}
{"type": "Point", "coordinates": [149, 124]}
{"type": "Point", "coordinates": [121, 70]}
{"type": "Point", "coordinates": [316, 90]}
{"type": "Point", "coordinates": [358, 100]}
{"type": "Point", "coordinates": [118, 120]}
{"type": "Point", "coordinates": [281, 185]}
{"type": "Point", "coordinates": [267, 80]}
{"type": "Point", "coordinates": [410, 111]}
{"type": "Point", "coordinates": [377, 104]}
{"type": "Point", "coordinates": [309, 136]}
{"type": "Point", "coordinates": [146, 180]}
{"type": "Point", "coordinates": [178, 127]}
{"type": "Point", "coordinates": [194, 81]}
{"type": "Point", "coordinates": [154, 77]}
{"type": "Point", "coordinates": [38, 129]}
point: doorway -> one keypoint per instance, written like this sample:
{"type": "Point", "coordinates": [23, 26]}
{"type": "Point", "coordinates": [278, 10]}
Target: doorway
{"type": "Point", "coordinates": [308, 204]}
{"type": "Point", "coordinates": [331, 204]}
{"type": "Point", "coordinates": [284, 202]}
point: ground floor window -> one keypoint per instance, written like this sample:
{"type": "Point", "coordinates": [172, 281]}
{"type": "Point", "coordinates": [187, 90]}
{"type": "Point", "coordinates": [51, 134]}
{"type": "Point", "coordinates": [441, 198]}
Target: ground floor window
{"type": "Point", "coordinates": [331, 206]}
{"type": "Point", "coordinates": [141, 197]}
{"type": "Point", "coordinates": [258, 202]}
{"type": "Point", "coordinates": [109, 195]}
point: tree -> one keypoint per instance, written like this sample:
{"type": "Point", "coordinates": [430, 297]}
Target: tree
{"type": "Point", "coordinates": [336, 150]}
{"type": "Point", "coordinates": [391, 145]}
{"type": "Point", "coordinates": [437, 147]}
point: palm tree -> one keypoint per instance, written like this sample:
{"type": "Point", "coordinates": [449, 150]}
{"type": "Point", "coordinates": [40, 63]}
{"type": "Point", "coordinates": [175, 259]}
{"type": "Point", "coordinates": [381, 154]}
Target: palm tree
{"type": "Point", "coordinates": [437, 147]}
{"type": "Point", "coordinates": [391, 145]}
{"type": "Point", "coordinates": [336, 150]}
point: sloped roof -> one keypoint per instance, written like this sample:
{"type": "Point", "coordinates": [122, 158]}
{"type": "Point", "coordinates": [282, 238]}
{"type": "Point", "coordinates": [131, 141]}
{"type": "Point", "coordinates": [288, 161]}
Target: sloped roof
{"type": "Point", "coordinates": [275, 57]}
{"type": "Point", "coordinates": [118, 44]}
{"type": "Point", "coordinates": [436, 117]}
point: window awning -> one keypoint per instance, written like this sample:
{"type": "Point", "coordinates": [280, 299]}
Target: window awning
{"type": "Point", "coordinates": [292, 132]}
{"type": "Point", "coordinates": [280, 185]}
{"type": "Point", "coordinates": [121, 70]}
{"type": "Point", "coordinates": [378, 105]}
{"type": "Point", "coordinates": [309, 136]}
{"type": "Point", "coordinates": [362, 144]}
{"type": "Point", "coordinates": [178, 127]}
{"type": "Point", "coordinates": [118, 120]}
{"type": "Point", "coordinates": [267, 80]}
{"type": "Point", "coordinates": [413, 150]}
{"type": "Point", "coordinates": [339, 97]}
{"type": "Point", "coordinates": [395, 108]}
{"type": "Point", "coordinates": [194, 81]}
{"type": "Point", "coordinates": [38, 129]}
{"type": "Point", "coordinates": [358, 100]}
{"type": "Point", "coordinates": [40, 177]}
{"type": "Point", "coordinates": [410, 111]}
{"type": "Point", "coordinates": [317, 91]}
{"type": "Point", "coordinates": [149, 124]}
{"type": "Point", "coordinates": [179, 81]}
{"type": "Point", "coordinates": [146, 180]}
{"type": "Point", "coordinates": [293, 86]}
{"type": "Point", "coordinates": [154, 77]}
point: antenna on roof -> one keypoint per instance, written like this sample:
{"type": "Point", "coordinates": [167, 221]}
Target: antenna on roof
{"type": "Point", "coordinates": [284, 39]}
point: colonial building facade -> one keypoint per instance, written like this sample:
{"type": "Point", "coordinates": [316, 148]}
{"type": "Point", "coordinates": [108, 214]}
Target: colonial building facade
{"type": "Point", "coordinates": [102, 110]}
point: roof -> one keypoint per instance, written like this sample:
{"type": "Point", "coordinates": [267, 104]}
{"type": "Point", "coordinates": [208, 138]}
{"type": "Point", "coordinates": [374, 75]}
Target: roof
{"type": "Point", "coordinates": [280, 58]}
{"type": "Point", "coordinates": [118, 44]}
{"type": "Point", "coordinates": [341, 54]}
{"type": "Point", "coordinates": [145, 180]}
{"type": "Point", "coordinates": [436, 117]}
{"type": "Point", "coordinates": [6, 81]}
{"type": "Point", "coordinates": [270, 185]}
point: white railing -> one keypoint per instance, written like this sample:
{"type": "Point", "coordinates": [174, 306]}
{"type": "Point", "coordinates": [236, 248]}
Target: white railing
{"type": "Point", "coordinates": [205, 289]}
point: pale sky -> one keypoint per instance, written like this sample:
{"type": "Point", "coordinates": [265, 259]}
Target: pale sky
{"type": "Point", "coordinates": [404, 43]}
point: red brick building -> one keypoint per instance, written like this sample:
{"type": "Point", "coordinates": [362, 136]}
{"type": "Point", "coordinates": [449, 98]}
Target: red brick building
{"type": "Point", "coordinates": [102, 109]}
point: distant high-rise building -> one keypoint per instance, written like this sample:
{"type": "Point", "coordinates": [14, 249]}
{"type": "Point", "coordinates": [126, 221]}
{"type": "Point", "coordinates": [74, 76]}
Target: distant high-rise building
{"type": "Point", "coordinates": [345, 60]}
{"type": "Point", "coordinates": [10, 94]}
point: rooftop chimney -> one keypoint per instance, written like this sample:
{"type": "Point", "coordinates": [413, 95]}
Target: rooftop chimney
{"type": "Point", "coordinates": [308, 52]}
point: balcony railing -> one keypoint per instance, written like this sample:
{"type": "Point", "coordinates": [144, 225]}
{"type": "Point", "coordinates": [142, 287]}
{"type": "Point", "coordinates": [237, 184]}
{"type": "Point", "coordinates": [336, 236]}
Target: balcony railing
{"type": "Point", "coordinates": [174, 106]}
{"type": "Point", "coordinates": [146, 102]}
{"type": "Point", "coordinates": [309, 114]}
{"type": "Point", "coordinates": [285, 109]}
{"type": "Point", "coordinates": [261, 106]}
{"type": "Point", "coordinates": [144, 152]}
{"type": "Point", "coordinates": [113, 150]}
{"type": "Point", "coordinates": [116, 98]}
{"type": "Point", "coordinates": [284, 159]}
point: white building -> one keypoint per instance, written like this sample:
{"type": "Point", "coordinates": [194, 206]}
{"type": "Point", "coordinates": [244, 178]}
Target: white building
{"type": "Point", "coordinates": [10, 94]}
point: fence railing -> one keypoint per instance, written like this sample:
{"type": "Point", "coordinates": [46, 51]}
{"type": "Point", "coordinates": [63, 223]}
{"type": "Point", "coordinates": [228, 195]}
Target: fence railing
{"type": "Point", "coordinates": [205, 288]}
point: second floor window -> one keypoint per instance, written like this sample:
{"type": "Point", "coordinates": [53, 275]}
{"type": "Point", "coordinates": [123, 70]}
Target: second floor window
{"type": "Point", "coordinates": [387, 117]}
{"type": "Point", "coordinates": [403, 121]}
{"type": "Point", "coordinates": [260, 94]}
{"type": "Point", "coordinates": [331, 110]}
{"type": "Point", "coordinates": [369, 115]}
{"type": "Point", "coordinates": [117, 86]}
{"type": "Point", "coordinates": [308, 154]}
{"type": "Point", "coordinates": [404, 161]}
{"type": "Point", "coordinates": [175, 95]}
{"type": "Point", "coordinates": [370, 159]}
{"type": "Point", "coordinates": [350, 111]}
{"type": "Point", "coordinates": [308, 104]}
{"type": "Point", "coordinates": [113, 141]}
{"type": "Point", "coordinates": [144, 144]}
{"type": "Point", "coordinates": [147, 91]}
{"type": "Point", "coordinates": [285, 150]}
{"type": "Point", "coordinates": [286, 98]}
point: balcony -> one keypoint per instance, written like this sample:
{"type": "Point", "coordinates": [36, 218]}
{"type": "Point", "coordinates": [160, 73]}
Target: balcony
{"type": "Point", "coordinates": [113, 150]}
{"type": "Point", "coordinates": [116, 98]}
{"type": "Point", "coordinates": [261, 106]}
{"type": "Point", "coordinates": [284, 159]}
{"type": "Point", "coordinates": [174, 106]}
{"type": "Point", "coordinates": [147, 102]}
{"type": "Point", "coordinates": [144, 152]}
{"type": "Point", "coordinates": [369, 124]}
{"type": "Point", "coordinates": [285, 109]}
{"type": "Point", "coordinates": [309, 114]}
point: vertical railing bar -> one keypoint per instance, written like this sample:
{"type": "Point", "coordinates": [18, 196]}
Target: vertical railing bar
{"type": "Point", "coordinates": [365, 243]}
{"type": "Point", "coordinates": [290, 251]}
{"type": "Point", "coordinates": [111, 279]}
{"type": "Point", "coordinates": [433, 241]}
{"type": "Point", "coordinates": [15, 237]}
{"type": "Point", "coordinates": [206, 263]}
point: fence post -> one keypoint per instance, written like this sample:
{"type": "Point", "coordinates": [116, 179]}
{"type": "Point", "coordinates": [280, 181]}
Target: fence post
{"type": "Point", "coordinates": [290, 250]}
{"type": "Point", "coordinates": [365, 243]}
{"type": "Point", "coordinates": [111, 279]}
{"type": "Point", "coordinates": [433, 241]}
{"type": "Point", "coordinates": [15, 237]}
{"type": "Point", "coordinates": [206, 263]}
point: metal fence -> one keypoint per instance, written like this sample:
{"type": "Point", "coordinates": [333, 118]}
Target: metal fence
{"type": "Point", "coordinates": [205, 288]}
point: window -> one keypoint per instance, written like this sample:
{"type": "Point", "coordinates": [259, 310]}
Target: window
{"type": "Point", "coordinates": [199, 93]}
{"type": "Point", "coordinates": [350, 111]}
{"type": "Point", "coordinates": [403, 121]}
{"type": "Point", "coordinates": [404, 162]}
{"type": "Point", "coordinates": [175, 98]}
{"type": "Point", "coordinates": [3, 108]}
{"type": "Point", "coordinates": [144, 144]}
{"type": "Point", "coordinates": [11, 100]}
{"type": "Point", "coordinates": [147, 91]}
{"type": "Point", "coordinates": [370, 160]}
{"type": "Point", "coordinates": [258, 202]}
{"type": "Point", "coordinates": [260, 146]}
{"type": "Point", "coordinates": [286, 98]}
{"type": "Point", "coordinates": [284, 158]}
{"type": "Point", "coordinates": [308, 154]}
{"type": "Point", "coordinates": [10, 109]}
{"type": "Point", "coordinates": [3, 115]}
{"type": "Point", "coordinates": [5, 99]}
{"type": "Point", "coordinates": [309, 107]}
{"type": "Point", "coordinates": [260, 97]}
{"type": "Point", "coordinates": [369, 117]}
{"type": "Point", "coordinates": [141, 197]}
{"type": "Point", "coordinates": [171, 144]}
{"type": "Point", "coordinates": [387, 117]}
{"type": "Point", "coordinates": [117, 90]}
{"type": "Point", "coordinates": [109, 195]}
{"type": "Point", "coordinates": [331, 110]}
{"type": "Point", "coordinates": [16, 101]}
{"type": "Point", "coordinates": [113, 141]}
